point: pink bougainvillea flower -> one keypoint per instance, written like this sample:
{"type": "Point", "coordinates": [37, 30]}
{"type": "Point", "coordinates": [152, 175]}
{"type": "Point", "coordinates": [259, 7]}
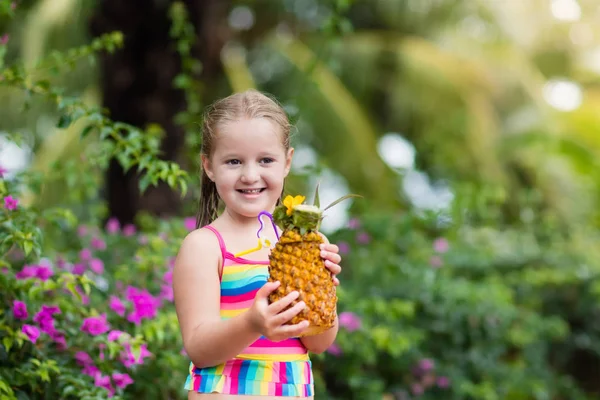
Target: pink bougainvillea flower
{"type": "Point", "coordinates": [443, 382]}
{"type": "Point", "coordinates": [43, 273]}
{"type": "Point", "coordinates": [166, 292]}
{"type": "Point", "coordinates": [128, 358]}
{"type": "Point", "coordinates": [350, 321]}
{"type": "Point", "coordinates": [144, 304]}
{"type": "Point", "coordinates": [344, 247]}
{"type": "Point", "coordinates": [168, 277]}
{"type": "Point", "coordinates": [32, 332]}
{"type": "Point", "coordinates": [129, 230]}
{"type": "Point", "coordinates": [10, 203]}
{"type": "Point", "coordinates": [19, 310]}
{"type": "Point", "coordinates": [115, 334]}
{"type": "Point", "coordinates": [98, 243]}
{"type": "Point", "coordinates": [363, 238]}
{"type": "Point", "coordinates": [59, 338]}
{"type": "Point", "coordinates": [354, 223]}
{"type": "Point", "coordinates": [44, 318]}
{"type": "Point", "coordinates": [97, 266]}
{"type": "Point", "coordinates": [122, 380]}
{"type": "Point", "coordinates": [90, 370]}
{"type": "Point", "coordinates": [79, 269]}
{"type": "Point", "coordinates": [95, 325]}
{"type": "Point", "coordinates": [189, 223]}
{"type": "Point", "coordinates": [436, 261]}
{"type": "Point", "coordinates": [85, 254]}
{"type": "Point", "coordinates": [426, 365]}
{"type": "Point", "coordinates": [113, 226]}
{"type": "Point", "coordinates": [117, 305]}
{"type": "Point", "coordinates": [28, 271]}
{"type": "Point", "coordinates": [104, 382]}
{"type": "Point", "coordinates": [83, 358]}
{"type": "Point", "coordinates": [335, 350]}
{"type": "Point", "coordinates": [440, 245]}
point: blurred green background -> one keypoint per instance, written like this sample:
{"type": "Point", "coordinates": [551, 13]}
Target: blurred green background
{"type": "Point", "coordinates": [473, 121]}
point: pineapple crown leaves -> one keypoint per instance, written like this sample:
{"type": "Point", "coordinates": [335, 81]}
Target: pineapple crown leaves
{"type": "Point", "coordinates": [294, 214]}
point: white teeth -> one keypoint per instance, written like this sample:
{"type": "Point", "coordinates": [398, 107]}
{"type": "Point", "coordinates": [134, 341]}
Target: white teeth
{"type": "Point", "coordinates": [251, 191]}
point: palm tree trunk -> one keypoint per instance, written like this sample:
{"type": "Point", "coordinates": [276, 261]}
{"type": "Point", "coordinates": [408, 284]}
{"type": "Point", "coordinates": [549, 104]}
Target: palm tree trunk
{"type": "Point", "coordinates": [137, 87]}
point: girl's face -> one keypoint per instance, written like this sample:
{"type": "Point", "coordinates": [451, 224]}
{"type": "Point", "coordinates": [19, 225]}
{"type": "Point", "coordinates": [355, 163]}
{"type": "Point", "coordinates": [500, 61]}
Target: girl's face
{"type": "Point", "coordinates": [248, 166]}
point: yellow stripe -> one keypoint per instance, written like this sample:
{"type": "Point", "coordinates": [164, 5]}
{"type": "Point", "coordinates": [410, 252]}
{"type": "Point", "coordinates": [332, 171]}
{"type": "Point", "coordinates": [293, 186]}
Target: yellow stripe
{"type": "Point", "coordinates": [268, 376]}
{"type": "Point", "coordinates": [232, 313]}
{"type": "Point", "coordinates": [264, 388]}
{"type": "Point", "coordinates": [232, 269]}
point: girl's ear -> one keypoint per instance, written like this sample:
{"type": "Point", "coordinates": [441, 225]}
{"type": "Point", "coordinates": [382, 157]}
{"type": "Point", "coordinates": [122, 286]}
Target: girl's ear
{"type": "Point", "coordinates": [288, 160]}
{"type": "Point", "coordinates": [207, 167]}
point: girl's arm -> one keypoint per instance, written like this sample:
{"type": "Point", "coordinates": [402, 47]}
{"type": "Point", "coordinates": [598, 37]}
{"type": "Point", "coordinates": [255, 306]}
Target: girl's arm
{"type": "Point", "coordinates": [207, 339]}
{"type": "Point", "coordinates": [319, 343]}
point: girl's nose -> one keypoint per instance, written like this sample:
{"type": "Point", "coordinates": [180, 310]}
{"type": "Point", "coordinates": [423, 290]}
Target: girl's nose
{"type": "Point", "coordinates": [249, 174]}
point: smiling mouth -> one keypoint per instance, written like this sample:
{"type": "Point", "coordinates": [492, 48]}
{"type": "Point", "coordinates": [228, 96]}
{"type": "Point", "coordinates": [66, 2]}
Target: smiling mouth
{"type": "Point", "coordinates": [251, 191]}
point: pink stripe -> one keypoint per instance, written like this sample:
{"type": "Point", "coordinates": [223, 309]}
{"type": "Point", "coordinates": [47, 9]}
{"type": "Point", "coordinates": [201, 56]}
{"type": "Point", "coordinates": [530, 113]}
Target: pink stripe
{"type": "Point", "coordinates": [274, 350]}
{"type": "Point", "coordinates": [306, 373]}
{"type": "Point", "coordinates": [262, 342]}
{"type": "Point", "coordinates": [282, 370]}
{"type": "Point", "coordinates": [240, 297]}
{"type": "Point", "coordinates": [240, 260]}
{"type": "Point", "coordinates": [228, 263]}
{"type": "Point", "coordinates": [237, 306]}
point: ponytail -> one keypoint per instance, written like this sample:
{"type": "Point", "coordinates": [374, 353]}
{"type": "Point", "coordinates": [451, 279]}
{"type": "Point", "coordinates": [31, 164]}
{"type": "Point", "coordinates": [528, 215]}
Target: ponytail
{"type": "Point", "coordinates": [208, 204]}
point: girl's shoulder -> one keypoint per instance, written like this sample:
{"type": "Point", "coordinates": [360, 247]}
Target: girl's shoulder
{"type": "Point", "coordinates": [200, 244]}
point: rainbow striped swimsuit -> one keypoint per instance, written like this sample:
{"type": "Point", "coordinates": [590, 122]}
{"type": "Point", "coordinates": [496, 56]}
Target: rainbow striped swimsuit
{"type": "Point", "coordinates": [265, 367]}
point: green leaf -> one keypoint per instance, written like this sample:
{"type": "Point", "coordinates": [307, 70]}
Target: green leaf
{"type": "Point", "coordinates": [27, 247]}
{"type": "Point", "coordinates": [64, 121]}
{"type": "Point", "coordinates": [317, 201]}
{"type": "Point", "coordinates": [341, 199]}
{"type": "Point", "coordinates": [7, 342]}
{"type": "Point", "coordinates": [86, 131]}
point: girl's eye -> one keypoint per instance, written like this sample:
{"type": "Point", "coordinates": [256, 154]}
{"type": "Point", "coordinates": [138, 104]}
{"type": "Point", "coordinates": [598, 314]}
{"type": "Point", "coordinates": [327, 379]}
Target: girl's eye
{"type": "Point", "coordinates": [233, 162]}
{"type": "Point", "coordinates": [267, 160]}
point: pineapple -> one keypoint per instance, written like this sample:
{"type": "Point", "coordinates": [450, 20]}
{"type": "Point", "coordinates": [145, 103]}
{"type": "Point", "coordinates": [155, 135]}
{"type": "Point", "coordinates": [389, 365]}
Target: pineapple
{"type": "Point", "coordinates": [296, 262]}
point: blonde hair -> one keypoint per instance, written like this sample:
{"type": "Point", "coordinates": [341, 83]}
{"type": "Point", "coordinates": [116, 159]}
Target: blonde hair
{"type": "Point", "coordinates": [245, 105]}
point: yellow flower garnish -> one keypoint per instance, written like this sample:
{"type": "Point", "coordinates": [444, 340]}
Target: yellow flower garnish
{"type": "Point", "coordinates": [291, 202]}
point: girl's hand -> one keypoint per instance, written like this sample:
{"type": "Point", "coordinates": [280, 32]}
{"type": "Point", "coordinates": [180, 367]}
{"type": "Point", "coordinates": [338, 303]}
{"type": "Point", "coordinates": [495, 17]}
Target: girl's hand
{"type": "Point", "coordinates": [331, 254]}
{"type": "Point", "coordinates": [269, 319]}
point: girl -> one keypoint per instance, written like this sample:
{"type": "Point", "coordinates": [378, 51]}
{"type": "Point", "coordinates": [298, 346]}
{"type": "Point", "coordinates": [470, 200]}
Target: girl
{"type": "Point", "coordinates": [238, 343]}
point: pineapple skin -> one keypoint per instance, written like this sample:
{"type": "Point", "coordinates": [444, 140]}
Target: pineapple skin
{"type": "Point", "coordinates": [296, 262]}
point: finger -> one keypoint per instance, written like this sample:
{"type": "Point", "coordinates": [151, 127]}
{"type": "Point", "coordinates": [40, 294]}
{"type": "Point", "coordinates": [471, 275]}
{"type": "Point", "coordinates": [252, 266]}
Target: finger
{"type": "Point", "coordinates": [336, 281]}
{"type": "Point", "coordinates": [292, 330]}
{"type": "Point", "coordinates": [288, 314]}
{"type": "Point", "coordinates": [334, 268]}
{"type": "Point", "coordinates": [331, 247]}
{"type": "Point", "coordinates": [276, 307]}
{"type": "Point", "coordinates": [266, 290]}
{"type": "Point", "coordinates": [333, 257]}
